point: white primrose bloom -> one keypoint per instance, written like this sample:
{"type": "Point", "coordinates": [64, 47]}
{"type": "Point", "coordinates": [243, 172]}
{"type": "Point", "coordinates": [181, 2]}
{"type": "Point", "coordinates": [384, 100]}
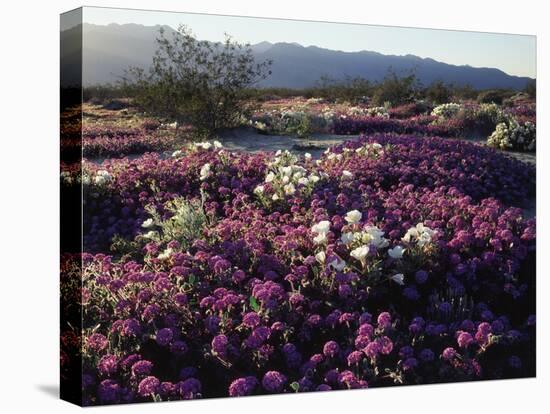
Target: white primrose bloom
{"type": "Point", "coordinates": [347, 174]}
{"type": "Point", "coordinates": [104, 173]}
{"type": "Point", "coordinates": [398, 278]}
{"type": "Point", "coordinates": [165, 254]}
{"type": "Point", "coordinates": [412, 233]}
{"type": "Point", "coordinates": [321, 227]}
{"type": "Point", "coordinates": [338, 264]}
{"type": "Point", "coordinates": [285, 179]}
{"type": "Point", "coordinates": [320, 238]}
{"type": "Point", "coordinates": [396, 252]}
{"type": "Point", "coordinates": [147, 223]}
{"type": "Point", "coordinates": [275, 197]}
{"type": "Point", "coordinates": [259, 189]}
{"type": "Point", "coordinates": [313, 178]}
{"type": "Point", "coordinates": [269, 177]}
{"type": "Point", "coordinates": [425, 238]}
{"type": "Point", "coordinates": [100, 178]}
{"type": "Point", "coordinates": [347, 238]}
{"type": "Point", "coordinates": [85, 179]}
{"type": "Point", "coordinates": [176, 153]}
{"type": "Point", "coordinates": [307, 156]}
{"type": "Point", "coordinates": [150, 234]}
{"type": "Point", "coordinates": [286, 171]}
{"type": "Point", "coordinates": [321, 257]}
{"type": "Point", "coordinates": [376, 237]}
{"type": "Point", "coordinates": [303, 181]}
{"type": "Point", "coordinates": [217, 144]}
{"type": "Point", "coordinates": [205, 171]}
{"type": "Point", "coordinates": [360, 253]}
{"type": "Point", "coordinates": [289, 189]}
{"type": "Point", "coordinates": [422, 234]}
{"type": "Point", "coordinates": [353, 216]}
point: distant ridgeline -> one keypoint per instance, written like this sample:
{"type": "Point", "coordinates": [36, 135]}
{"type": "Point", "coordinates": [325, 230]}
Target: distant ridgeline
{"type": "Point", "coordinates": [109, 50]}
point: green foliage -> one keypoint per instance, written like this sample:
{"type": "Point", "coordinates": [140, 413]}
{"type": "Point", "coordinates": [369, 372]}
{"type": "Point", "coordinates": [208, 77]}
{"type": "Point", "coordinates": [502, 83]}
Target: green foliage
{"type": "Point", "coordinates": [494, 96]}
{"type": "Point", "coordinates": [464, 92]}
{"type": "Point", "coordinates": [396, 90]}
{"type": "Point", "coordinates": [438, 93]}
{"type": "Point", "coordinates": [254, 304]}
{"type": "Point", "coordinates": [123, 247]}
{"type": "Point", "coordinates": [196, 81]}
{"type": "Point", "coordinates": [186, 224]}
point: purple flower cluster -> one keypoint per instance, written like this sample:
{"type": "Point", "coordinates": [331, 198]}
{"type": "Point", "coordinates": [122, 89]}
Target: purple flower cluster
{"type": "Point", "coordinates": [252, 307]}
{"type": "Point", "coordinates": [420, 125]}
{"type": "Point", "coordinates": [118, 142]}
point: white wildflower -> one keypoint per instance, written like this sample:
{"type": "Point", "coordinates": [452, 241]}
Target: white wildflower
{"type": "Point", "coordinates": [396, 252]}
{"type": "Point", "coordinates": [269, 177]}
{"type": "Point", "coordinates": [165, 254]}
{"type": "Point", "coordinates": [259, 189]}
{"type": "Point", "coordinates": [360, 253]}
{"type": "Point", "coordinates": [205, 171]}
{"type": "Point", "coordinates": [321, 257]}
{"type": "Point", "coordinates": [338, 264]}
{"type": "Point", "coordinates": [353, 216]}
{"type": "Point", "coordinates": [147, 223]}
{"type": "Point", "coordinates": [399, 278]}
{"type": "Point", "coordinates": [347, 238]}
{"type": "Point", "coordinates": [347, 174]}
{"type": "Point", "coordinates": [289, 189]}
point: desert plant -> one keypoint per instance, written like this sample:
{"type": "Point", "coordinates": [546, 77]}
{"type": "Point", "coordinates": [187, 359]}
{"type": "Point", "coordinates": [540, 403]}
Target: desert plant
{"type": "Point", "coordinates": [186, 224]}
{"type": "Point", "coordinates": [396, 90]}
{"type": "Point", "coordinates": [438, 93]}
{"type": "Point", "coordinates": [197, 81]}
{"type": "Point", "coordinates": [494, 96]}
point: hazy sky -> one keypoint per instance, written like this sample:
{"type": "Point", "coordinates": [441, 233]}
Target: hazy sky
{"type": "Point", "coordinates": [514, 54]}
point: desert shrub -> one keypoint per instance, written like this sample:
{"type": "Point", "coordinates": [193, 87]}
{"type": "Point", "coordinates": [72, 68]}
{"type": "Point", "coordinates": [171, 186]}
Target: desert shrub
{"type": "Point", "coordinates": [185, 225]}
{"type": "Point", "coordinates": [197, 81]}
{"type": "Point", "coordinates": [349, 89]}
{"type": "Point", "coordinates": [438, 93]}
{"type": "Point", "coordinates": [494, 96]}
{"type": "Point", "coordinates": [378, 111]}
{"type": "Point", "coordinates": [481, 119]}
{"type": "Point", "coordinates": [395, 89]}
{"type": "Point", "coordinates": [511, 135]}
{"type": "Point", "coordinates": [446, 111]}
{"type": "Point", "coordinates": [409, 110]}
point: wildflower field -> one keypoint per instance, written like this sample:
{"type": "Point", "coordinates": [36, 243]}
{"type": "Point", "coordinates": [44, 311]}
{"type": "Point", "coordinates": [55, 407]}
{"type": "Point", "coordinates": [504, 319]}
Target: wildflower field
{"type": "Point", "coordinates": [402, 256]}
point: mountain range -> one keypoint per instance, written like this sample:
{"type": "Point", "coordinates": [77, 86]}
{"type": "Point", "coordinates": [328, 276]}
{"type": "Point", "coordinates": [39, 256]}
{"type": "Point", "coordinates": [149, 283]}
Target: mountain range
{"type": "Point", "coordinates": [109, 50]}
